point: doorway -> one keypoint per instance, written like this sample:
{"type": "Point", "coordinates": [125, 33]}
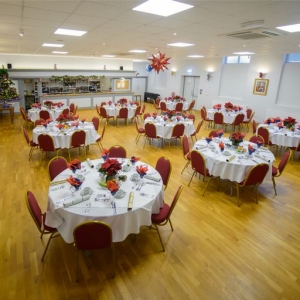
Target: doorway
{"type": "Point", "coordinates": [191, 87]}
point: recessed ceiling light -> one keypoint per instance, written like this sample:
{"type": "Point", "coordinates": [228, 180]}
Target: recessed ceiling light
{"type": "Point", "coordinates": [70, 32]}
{"type": "Point", "coordinates": [59, 52]}
{"type": "Point", "coordinates": [243, 53]}
{"type": "Point", "coordinates": [137, 51]}
{"type": "Point", "coordinates": [181, 45]}
{"type": "Point", "coordinates": [162, 8]}
{"type": "Point", "coordinates": [108, 55]}
{"type": "Point", "coordinates": [52, 45]}
{"type": "Point", "coordinates": [290, 28]}
{"type": "Point", "coordinates": [195, 56]}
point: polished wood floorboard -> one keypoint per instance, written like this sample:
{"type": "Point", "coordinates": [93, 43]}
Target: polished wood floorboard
{"type": "Point", "coordinates": [217, 250]}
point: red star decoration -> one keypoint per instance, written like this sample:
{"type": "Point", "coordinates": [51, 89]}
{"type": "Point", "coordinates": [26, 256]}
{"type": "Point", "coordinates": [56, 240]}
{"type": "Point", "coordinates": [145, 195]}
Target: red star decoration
{"type": "Point", "coordinates": [159, 62]}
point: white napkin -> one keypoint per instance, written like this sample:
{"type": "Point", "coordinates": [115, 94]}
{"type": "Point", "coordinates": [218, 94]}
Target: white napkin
{"type": "Point", "coordinates": [262, 157]}
{"type": "Point", "coordinates": [152, 178]}
{"type": "Point", "coordinates": [130, 201]}
{"type": "Point", "coordinates": [232, 157]}
{"type": "Point", "coordinates": [76, 200]}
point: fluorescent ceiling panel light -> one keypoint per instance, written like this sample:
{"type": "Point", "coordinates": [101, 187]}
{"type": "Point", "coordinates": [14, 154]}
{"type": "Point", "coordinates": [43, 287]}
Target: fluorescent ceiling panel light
{"type": "Point", "coordinates": [181, 45]}
{"type": "Point", "coordinates": [137, 51]}
{"type": "Point", "coordinates": [53, 45]}
{"type": "Point", "coordinates": [163, 8]}
{"type": "Point", "coordinates": [195, 56]}
{"type": "Point", "coordinates": [108, 55]}
{"type": "Point", "coordinates": [70, 32]}
{"type": "Point", "coordinates": [59, 52]}
{"type": "Point", "coordinates": [290, 28]}
{"type": "Point", "coordinates": [243, 53]}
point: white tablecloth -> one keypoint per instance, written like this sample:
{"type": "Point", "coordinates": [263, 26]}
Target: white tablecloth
{"type": "Point", "coordinates": [62, 139]}
{"type": "Point", "coordinates": [114, 110]}
{"type": "Point", "coordinates": [238, 168]}
{"type": "Point", "coordinates": [171, 105]}
{"type": "Point", "coordinates": [164, 129]}
{"type": "Point", "coordinates": [228, 116]}
{"type": "Point", "coordinates": [123, 222]}
{"type": "Point", "coordinates": [282, 137]}
{"type": "Point", "coordinates": [34, 113]}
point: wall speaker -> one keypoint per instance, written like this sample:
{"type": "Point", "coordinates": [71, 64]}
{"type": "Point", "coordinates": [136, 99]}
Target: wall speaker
{"type": "Point", "coordinates": [121, 68]}
{"type": "Point", "coordinates": [9, 66]}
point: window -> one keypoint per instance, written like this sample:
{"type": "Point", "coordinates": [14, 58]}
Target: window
{"type": "Point", "coordinates": [293, 57]}
{"type": "Point", "coordinates": [242, 59]}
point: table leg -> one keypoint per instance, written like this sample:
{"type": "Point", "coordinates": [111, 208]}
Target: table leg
{"type": "Point", "coordinates": [12, 114]}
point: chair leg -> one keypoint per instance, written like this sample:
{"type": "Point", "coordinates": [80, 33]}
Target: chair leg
{"type": "Point", "coordinates": [171, 225]}
{"type": "Point", "coordinates": [238, 193]}
{"type": "Point", "coordinates": [206, 186]}
{"type": "Point", "coordinates": [77, 266]}
{"type": "Point", "coordinates": [188, 162]}
{"type": "Point", "coordinates": [69, 155]}
{"type": "Point", "coordinates": [156, 227]}
{"type": "Point", "coordinates": [274, 185]}
{"type": "Point", "coordinates": [191, 178]}
{"type": "Point", "coordinates": [48, 243]}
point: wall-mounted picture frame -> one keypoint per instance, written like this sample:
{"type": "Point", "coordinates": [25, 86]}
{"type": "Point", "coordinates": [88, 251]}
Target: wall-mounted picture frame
{"type": "Point", "coordinates": [122, 85]}
{"type": "Point", "coordinates": [261, 86]}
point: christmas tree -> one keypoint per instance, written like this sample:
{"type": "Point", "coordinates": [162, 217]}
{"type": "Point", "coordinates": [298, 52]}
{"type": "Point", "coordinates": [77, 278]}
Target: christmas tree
{"type": "Point", "coordinates": [7, 91]}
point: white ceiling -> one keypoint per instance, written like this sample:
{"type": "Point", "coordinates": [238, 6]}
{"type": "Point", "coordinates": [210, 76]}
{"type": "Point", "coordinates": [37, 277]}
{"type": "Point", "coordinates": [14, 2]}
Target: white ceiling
{"type": "Point", "coordinates": [113, 28]}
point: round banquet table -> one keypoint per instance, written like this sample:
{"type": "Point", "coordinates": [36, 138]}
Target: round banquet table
{"type": "Point", "coordinates": [282, 137]}
{"type": "Point", "coordinates": [236, 169]}
{"type": "Point", "coordinates": [172, 104]}
{"type": "Point", "coordinates": [229, 117]}
{"type": "Point", "coordinates": [164, 128]}
{"type": "Point", "coordinates": [147, 200]}
{"type": "Point", "coordinates": [62, 138]}
{"type": "Point", "coordinates": [114, 110]}
{"type": "Point", "coordinates": [34, 113]}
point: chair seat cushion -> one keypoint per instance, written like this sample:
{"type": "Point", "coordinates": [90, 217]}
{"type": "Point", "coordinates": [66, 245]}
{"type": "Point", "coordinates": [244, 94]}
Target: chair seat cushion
{"type": "Point", "coordinates": [274, 171]}
{"type": "Point", "coordinates": [32, 144]}
{"type": "Point", "coordinates": [161, 216]}
{"type": "Point", "coordinates": [141, 130]}
{"type": "Point", "coordinates": [188, 156]}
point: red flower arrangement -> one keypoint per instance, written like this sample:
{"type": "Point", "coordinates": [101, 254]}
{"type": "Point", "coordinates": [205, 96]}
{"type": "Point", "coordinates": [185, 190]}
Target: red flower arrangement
{"type": "Point", "coordinates": [236, 138]}
{"type": "Point", "coordinates": [122, 101]}
{"type": "Point", "coordinates": [48, 103]}
{"type": "Point", "coordinates": [217, 106]}
{"type": "Point", "coordinates": [289, 122]}
{"type": "Point", "coordinates": [228, 105]}
{"type": "Point", "coordinates": [66, 118]}
{"type": "Point", "coordinates": [110, 168]}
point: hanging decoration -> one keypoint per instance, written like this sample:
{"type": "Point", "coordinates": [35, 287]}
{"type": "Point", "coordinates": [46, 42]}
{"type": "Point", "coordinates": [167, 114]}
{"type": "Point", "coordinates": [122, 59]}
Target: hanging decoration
{"type": "Point", "coordinates": [159, 62]}
{"type": "Point", "coordinates": [148, 68]}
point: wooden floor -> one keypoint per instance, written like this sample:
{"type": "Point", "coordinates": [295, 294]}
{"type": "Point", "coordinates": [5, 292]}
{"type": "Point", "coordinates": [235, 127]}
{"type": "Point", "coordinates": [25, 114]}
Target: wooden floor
{"type": "Point", "coordinates": [217, 250]}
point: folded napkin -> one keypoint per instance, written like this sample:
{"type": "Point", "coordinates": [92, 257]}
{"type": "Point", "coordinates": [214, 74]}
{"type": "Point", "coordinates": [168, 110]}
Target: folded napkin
{"type": "Point", "coordinates": [262, 157]}
{"type": "Point", "coordinates": [230, 158]}
{"type": "Point", "coordinates": [130, 201]}
{"type": "Point", "coordinates": [152, 178]}
{"type": "Point", "coordinates": [76, 200]}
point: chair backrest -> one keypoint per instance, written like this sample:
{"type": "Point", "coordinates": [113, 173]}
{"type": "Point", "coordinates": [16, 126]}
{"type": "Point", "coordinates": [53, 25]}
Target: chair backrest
{"type": "Point", "coordinates": [248, 113]}
{"type": "Point", "coordinates": [178, 130]}
{"type": "Point", "coordinates": [117, 151]}
{"type": "Point", "coordinates": [150, 130]}
{"type": "Point", "coordinates": [192, 117]}
{"type": "Point", "coordinates": [75, 110]}
{"type": "Point", "coordinates": [66, 111]}
{"type": "Point", "coordinates": [44, 114]}
{"type": "Point", "coordinates": [174, 201]}
{"type": "Point", "coordinates": [256, 138]}
{"type": "Point", "coordinates": [198, 127]}
{"type": "Point", "coordinates": [34, 209]}
{"type": "Point", "coordinates": [157, 101]}
{"type": "Point", "coordinates": [198, 162]}
{"type": "Point", "coordinates": [93, 235]}
{"type": "Point", "coordinates": [218, 118]}
{"type": "Point", "coordinates": [238, 119]}
{"type": "Point", "coordinates": [254, 126]}
{"type": "Point", "coordinates": [39, 122]}
{"type": "Point", "coordinates": [164, 168]}
{"type": "Point", "coordinates": [96, 122]}
{"type": "Point", "coordinates": [103, 130]}
{"type": "Point", "coordinates": [147, 115]}
{"type": "Point", "coordinates": [23, 113]}
{"type": "Point", "coordinates": [97, 110]}
{"type": "Point", "coordinates": [143, 109]}
{"type": "Point", "coordinates": [256, 175]}
{"type": "Point", "coordinates": [213, 133]}
{"type": "Point", "coordinates": [56, 165]}
{"type": "Point", "coordinates": [286, 157]}
{"type": "Point", "coordinates": [123, 113]}
{"type": "Point", "coordinates": [264, 132]}
{"type": "Point", "coordinates": [103, 103]}
{"type": "Point", "coordinates": [192, 104]}
{"type": "Point", "coordinates": [136, 123]}
{"type": "Point", "coordinates": [72, 108]}
{"type": "Point", "coordinates": [46, 142]}
{"type": "Point", "coordinates": [163, 106]}
{"type": "Point", "coordinates": [25, 133]}
{"type": "Point", "coordinates": [251, 117]}
{"type": "Point", "coordinates": [185, 145]}
{"type": "Point", "coordinates": [78, 138]}
{"type": "Point", "coordinates": [179, 106]}
{"type": "Point", "coordinates": [203, 114]}
{"type": "Point", "coordinates": [103, 112]}
{"type": "Point", "coordinates": [204, 108]}
{"type": "Point", "coordinates": [137, 111]}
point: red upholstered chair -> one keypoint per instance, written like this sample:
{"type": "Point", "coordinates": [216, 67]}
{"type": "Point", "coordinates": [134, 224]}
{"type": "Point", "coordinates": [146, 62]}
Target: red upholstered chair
{"type": "Point", "coordinates": [123, 114]}
{"type": "Point", "coordinates": [98, 110]}
{"type": "Point", "coordinates": [142, 110]}
{"type": "Point", "coordinates": [164, 215]}
{"type": "Point", "coordinates": [179, 106]}
{"type": "Point", "coordinates": [39, 219]}
{"type": "Point", "coordinates": [249, 121]}
{"type": "Point", "coordinates": [30, 143]}
{"type": "Point", "coordinates": [44, 114]}
{"type": "Point", "coordinates": [93, 235]}
{"type": "Point", "coordinates": [38, 122]}
{"type": "Point", "coordinates": [74, 111]}
{"type": "Point", "coordinates": [146, 115]}
{"type": "Point", "coordinates": [163, 106]}
{"type": "Point", "coordinates": [156, 104]}
{"type": "Point", "coordinates": [276, 172]}
{"type": "Point", "coordinates": [199, 166]}
{"type": "Point", "coordinates": [46, 145]}
{"type": "Point", "coordinates": [117, 151]}
{"type": "Point", "coordinates": [186, 151]}
{"type": "Point", "coordinates": [264, 132]}
{"type": "Point", "coordinates": [56, 165]}
{"type": "Point", "coordinates": [140, 130]}
{"type": "Point", "coordinates": [103, 103]}
{"type": "Point", "coordinates": [66, 111]}
{"type": "Point", "coordinates": [208, 122]}
{"type": "Point", "coordinates": [150, 134]}
{"type": "Point", "coordinates": [72, 108]}
{"type": "Point", "coordinates": [256, 138]}
{"type": "Point", "coordinates": [96, 122]}
{"type": "Point", "coordinates": [213, 133]}
{"type": "Point", "coordinates": [218, 119]}
{"type": "Point", "coordinates": [192, 117]}
{"type": "Point", "coordinates": [254, 178]}
{"type": "Point", "coordinates": [237, 122]}
{"type": "Point", "coordinates": [25, 117]}
{"type": "Point", "coordinates": [254, 127]}
{"type": "Point", "coordinates": [104, 115]}
{"type": "Point", "coordinates": [77, 141]}
{"type": "Point", "coordinates": [293, 150]}
{"type": "Point", "coordinates": [191, 106]}
{"type": "Point", "coordinates": [177, 132]}
{"type": "Point", "coordinates": [137, 113]}
{"type": "Point", "coordinates": [194, 134]}
{"type": "Point", "coordinates": [164, 168]}
{"type": "Point", "coordinates": [248, 113]}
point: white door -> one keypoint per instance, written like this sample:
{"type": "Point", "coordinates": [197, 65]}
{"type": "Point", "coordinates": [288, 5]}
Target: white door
{"type": "Point", "coordinates": [191, 87]}
{"type": "Point", "coordinates": [139, 85]}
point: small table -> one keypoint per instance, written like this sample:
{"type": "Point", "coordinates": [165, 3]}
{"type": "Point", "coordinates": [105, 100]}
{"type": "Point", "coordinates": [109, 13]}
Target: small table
{"type": "Point", "coordinates": [11, 110]}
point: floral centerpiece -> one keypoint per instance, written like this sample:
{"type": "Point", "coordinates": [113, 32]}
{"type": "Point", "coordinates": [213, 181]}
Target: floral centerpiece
{"type": "Point", "coordinates": [64, 118]}
{"type": "Point", "coordinates": [217, 106]}
{"type": "Point", "coordinates": [36, 105]}
{"type": "Point", "coordinates": [46, 122]}
{"type": "Point", "coordinates": [269, 121]}
{"type": "Point", "coordinates": [59, 104]}
{"type": "Point", "coordinates": [170, 113]}
{"type": "Point", "coordinates": [110, 168]}
{"type": "Point", "coordinates": [289, 123]}
{"type": "Point", "coordinates": [175, 98]}
{"type": "Point", "coordinates": [123, 101]}
{"type": "Point", "coordinates": [228, 105]}
{"type": "Point", "coordinates": [236, 138]}
{"type": "Point", "coordinates": [48, 103]}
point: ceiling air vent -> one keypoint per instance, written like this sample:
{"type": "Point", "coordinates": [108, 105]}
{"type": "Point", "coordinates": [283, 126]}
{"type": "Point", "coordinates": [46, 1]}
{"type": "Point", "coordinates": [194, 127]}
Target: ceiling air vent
{"type": "Point", "coordinates": [254, 34]}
